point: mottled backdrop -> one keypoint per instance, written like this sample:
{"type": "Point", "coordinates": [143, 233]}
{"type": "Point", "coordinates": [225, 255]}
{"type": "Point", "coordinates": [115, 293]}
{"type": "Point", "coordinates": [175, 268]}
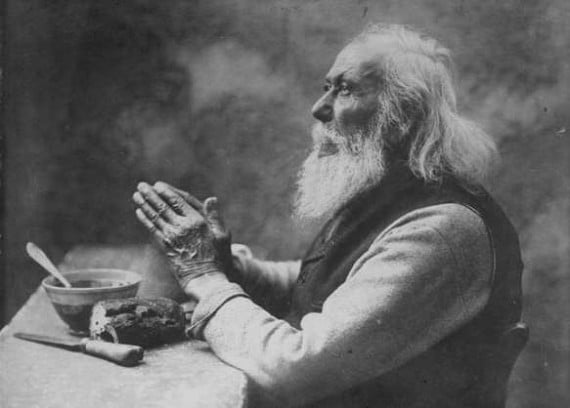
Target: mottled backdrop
{"type": "Point", "coordinates": [214, 96]}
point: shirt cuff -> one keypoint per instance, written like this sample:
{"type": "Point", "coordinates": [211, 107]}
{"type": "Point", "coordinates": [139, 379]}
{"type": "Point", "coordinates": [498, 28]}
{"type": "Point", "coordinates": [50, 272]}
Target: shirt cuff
{"type": "Point", "coordinates": [206, 308]}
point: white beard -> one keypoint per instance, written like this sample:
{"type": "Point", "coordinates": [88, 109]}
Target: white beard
{"type": "Point", "coordinates": [354, 163]}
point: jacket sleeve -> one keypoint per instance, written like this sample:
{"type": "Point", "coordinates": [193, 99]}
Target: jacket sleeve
{"type": "Point", "coordinates": [269, 284]}
{"type": "Point", "coordinates": [424, 277]}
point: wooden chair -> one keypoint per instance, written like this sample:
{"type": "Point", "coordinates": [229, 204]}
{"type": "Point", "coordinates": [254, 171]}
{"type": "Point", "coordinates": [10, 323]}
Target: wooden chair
{"type": "Point", "coordinates": [499, 362]}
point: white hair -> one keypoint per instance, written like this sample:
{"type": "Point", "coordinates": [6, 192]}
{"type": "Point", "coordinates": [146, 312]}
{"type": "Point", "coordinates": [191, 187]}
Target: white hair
{"type": "Point", "coordinates": [418, 104]}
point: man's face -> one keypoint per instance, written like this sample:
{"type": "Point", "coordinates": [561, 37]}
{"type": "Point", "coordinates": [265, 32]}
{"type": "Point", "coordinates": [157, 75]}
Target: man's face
{"type": "Point", "coordinates": [347, 157]}
{"type": "Point", "coordinates": [350, 102]}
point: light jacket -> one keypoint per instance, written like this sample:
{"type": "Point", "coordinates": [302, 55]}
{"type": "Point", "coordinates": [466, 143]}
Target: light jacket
{"type": "Point", "coordinates": [394, 316]}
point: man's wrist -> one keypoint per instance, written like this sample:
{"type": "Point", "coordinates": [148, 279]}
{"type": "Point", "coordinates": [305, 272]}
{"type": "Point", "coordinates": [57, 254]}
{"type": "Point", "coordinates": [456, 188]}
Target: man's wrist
{"type": "Point", "coordinates": [186, 271]}
{"type": "Point", "coordinates": [203, 286]}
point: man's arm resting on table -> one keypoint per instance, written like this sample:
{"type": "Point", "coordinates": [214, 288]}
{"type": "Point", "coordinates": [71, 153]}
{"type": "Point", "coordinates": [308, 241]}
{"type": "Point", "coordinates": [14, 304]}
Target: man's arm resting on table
{"type": "Point", "coordinates": [268, 283]}
{"type": "Point", "coordinates": [429, 274]}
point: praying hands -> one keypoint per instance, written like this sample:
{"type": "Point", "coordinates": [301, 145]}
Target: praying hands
{"type": "Point", "coordinates": [191, 233]}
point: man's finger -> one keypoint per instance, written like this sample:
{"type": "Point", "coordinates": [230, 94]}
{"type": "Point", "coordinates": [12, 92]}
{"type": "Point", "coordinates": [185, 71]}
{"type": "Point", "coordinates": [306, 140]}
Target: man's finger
{"type": "Point", "coordinates": [190, 199]}
{"type": "Point", "coordinates": [156, 233]}
{"type": "Point", "coordinates": [150, 213]}
{"type": "Point", "coordinates": [174, 199]}
{"type": "Point", "coordinates": [144, 220]}
{"type": "Point", "coordinates": [213, 216]}
{"type": "Point", "coordinates": [154, 200]}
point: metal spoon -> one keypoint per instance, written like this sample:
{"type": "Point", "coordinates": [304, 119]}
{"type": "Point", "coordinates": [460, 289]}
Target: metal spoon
{"type": "Point", "coordinates": [41, 258]}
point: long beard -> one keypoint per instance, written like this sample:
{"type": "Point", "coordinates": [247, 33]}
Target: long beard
{"type": "Point", "coordinates": [339, 167]}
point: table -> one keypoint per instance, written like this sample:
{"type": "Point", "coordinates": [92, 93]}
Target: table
{"type": "Point", "coordinates": [185, 374]}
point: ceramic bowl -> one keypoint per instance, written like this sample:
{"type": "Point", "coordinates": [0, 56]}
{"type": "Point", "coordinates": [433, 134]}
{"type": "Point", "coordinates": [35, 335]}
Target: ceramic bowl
{"type": "Point", "coordinates": [89, 286]}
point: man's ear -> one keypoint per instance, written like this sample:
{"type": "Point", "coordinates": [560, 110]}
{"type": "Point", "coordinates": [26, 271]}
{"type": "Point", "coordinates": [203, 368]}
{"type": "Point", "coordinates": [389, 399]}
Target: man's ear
{"type": "Point", "coordinates": [401, 131]}
{"type": "Point", "coordinates": [413, 113]}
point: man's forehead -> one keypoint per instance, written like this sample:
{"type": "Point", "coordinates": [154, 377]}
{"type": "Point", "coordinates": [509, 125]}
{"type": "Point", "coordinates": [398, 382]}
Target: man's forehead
{"type": "Point", "coordinates": [359, 59]}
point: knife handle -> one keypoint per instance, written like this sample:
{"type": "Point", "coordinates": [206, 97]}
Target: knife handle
{"type": "Point", "coordinates": [123, 354]}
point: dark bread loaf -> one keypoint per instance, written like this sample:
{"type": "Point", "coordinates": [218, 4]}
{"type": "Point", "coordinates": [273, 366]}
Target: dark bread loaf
{"type": "Point", "coordinates": [144, 322]}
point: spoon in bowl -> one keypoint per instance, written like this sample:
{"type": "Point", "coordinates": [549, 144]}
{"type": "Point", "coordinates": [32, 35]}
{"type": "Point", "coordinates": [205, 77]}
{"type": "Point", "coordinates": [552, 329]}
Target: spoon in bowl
{"type": "Point", "coordinates": [41, 258]}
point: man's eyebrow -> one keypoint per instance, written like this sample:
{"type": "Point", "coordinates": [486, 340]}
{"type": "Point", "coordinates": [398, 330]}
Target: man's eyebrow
{"type": "Point", "coordinates": [335, 78]}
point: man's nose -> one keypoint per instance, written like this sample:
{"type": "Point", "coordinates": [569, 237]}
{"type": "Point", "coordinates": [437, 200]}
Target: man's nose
{"type": "Point", "coordinates": [323, 109]}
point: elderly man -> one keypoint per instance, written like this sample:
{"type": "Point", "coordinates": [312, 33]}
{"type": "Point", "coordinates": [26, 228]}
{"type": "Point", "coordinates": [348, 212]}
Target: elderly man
{"type": "Point", "coordinates": [412, 279]}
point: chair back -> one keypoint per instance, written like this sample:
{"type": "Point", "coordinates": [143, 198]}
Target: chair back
{"type": "Point", "coordinates": [500, 359]}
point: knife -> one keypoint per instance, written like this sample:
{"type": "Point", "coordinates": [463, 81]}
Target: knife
{"type": "Point", "coordinates": [124, 354]}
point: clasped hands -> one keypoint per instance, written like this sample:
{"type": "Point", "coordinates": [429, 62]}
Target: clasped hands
{"type": "Point", "coordinates": [191, 233]}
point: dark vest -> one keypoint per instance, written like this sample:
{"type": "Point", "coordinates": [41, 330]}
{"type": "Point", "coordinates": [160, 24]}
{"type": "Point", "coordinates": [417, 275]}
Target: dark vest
{"type": "Point", "coordinates": [455, 372]}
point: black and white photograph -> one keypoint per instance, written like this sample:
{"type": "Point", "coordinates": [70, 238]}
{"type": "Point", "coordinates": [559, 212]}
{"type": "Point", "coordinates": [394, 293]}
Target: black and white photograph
{"type": "Point", "coordinates": [285, 203]}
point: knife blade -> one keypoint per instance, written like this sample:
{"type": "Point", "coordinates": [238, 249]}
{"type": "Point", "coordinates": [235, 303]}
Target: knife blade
{"type": "Point", "coordinates": [124, 354]}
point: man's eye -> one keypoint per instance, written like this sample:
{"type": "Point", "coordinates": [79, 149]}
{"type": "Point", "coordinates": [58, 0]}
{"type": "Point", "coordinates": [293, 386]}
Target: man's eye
{"type": "Point", "coordinates": [344, 89]}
